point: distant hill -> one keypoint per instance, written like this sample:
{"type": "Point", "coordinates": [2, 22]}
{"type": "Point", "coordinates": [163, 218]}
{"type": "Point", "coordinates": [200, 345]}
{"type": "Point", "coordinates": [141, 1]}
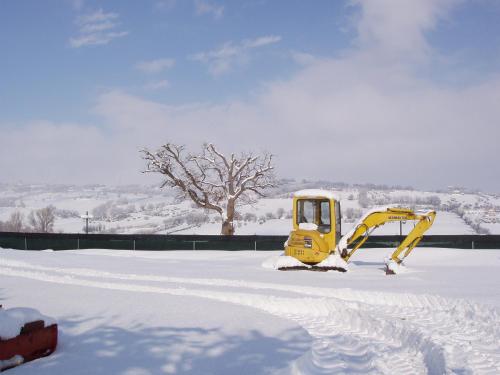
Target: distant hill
{"type": "Point", "coordinates": [148, 209]}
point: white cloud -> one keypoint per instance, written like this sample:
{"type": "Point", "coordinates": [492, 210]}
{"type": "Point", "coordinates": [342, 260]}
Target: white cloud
{"type": "Point", "coordinates": [303, 58]}
{"type": "Point", "coordinates": [95, 39]}
{"type": "Point", "coordinates": [155, 66]}
{"type": "Point", "coordinates": [226, 56]}
{"type": "Point", "coordinates": [157, 85]}
{"type": "Point", "coordinates": [397, 29]}
{"type": "Point", "coordinates": [205, 7]}
{"type": "Point", "coordinates": [96, 17]}
{"type": "Point", "coordinates": [165, 4]}
{"type": "Point", "coordinates": [97, 28]}
{"type": "Point", "coordinates": [56, 152]}
{"type": "Point", "coordinates": [329, 122]}
{"type": "Point", "coordinates": [363, 116]}
{"type": "Point", "coordinates": [260, 42]}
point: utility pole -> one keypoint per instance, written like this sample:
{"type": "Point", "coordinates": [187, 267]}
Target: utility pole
{"type": "Point", "coordinates": [86, 217]}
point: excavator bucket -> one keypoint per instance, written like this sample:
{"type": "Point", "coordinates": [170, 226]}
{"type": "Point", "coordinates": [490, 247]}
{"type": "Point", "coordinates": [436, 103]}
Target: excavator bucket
{"type": "Point", "coordinates": [391, 268]}
{"type": "Point", "coordinates": [34, 340]}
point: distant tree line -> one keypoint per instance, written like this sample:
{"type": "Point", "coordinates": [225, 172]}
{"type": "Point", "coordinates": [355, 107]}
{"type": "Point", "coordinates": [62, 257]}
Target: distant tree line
{"type": "Point", "coordinates": [40, 221]}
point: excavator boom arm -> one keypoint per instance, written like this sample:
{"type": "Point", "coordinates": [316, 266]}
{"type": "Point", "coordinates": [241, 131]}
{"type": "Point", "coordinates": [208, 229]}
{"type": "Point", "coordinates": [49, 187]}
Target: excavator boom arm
{"type": "Point", "coordinates": [359, 234]}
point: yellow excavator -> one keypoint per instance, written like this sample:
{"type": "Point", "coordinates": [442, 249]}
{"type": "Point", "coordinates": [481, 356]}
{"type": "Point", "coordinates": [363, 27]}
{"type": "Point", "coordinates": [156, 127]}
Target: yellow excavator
{"type": "Point", "coordinates": [315, 243]}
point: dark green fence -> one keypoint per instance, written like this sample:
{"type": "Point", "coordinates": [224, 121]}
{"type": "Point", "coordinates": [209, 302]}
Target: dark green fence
{"type": "Point", "coordinates": [68, 241]}
{"type": "Point", "coordinates": [443, 241]}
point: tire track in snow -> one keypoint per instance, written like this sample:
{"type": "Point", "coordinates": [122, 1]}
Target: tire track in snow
{"type": "Point", "coordinates": [471, 344]}
{"type": "Point", "coordinates": [445, 335]}
{"type": "Point", "coordinates": [353, 341]}
{"type": "Point", "coordinates": [313, 314]}
{"type": "Point", "coordinates": [370, 297]}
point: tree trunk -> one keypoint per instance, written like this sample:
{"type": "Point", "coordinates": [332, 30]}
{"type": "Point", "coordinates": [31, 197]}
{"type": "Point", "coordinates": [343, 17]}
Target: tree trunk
{"type": "Point", "coordinates": [227, 224]}
{"type": "Point", "coordinates": [227, 228]}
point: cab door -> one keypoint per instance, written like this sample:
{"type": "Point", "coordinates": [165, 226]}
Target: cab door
{"type": "Point", "coordinates": [338, 222]}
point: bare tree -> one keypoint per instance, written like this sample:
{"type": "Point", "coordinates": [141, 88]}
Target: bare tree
{"type": "Point", "coordinates": [212, 180]}
{"type": "Point", "coordinates": [42, 220]}
{"type": "Point", "coordinates": [14, 224]}
{"type": "Point", "coordinates": [363, 198]}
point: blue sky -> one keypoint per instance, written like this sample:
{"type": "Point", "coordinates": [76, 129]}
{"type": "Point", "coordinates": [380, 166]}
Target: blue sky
{"type": "Point", "coordinates": [198, 70]}
{"type": "Point", "coordinates": [55, 80]}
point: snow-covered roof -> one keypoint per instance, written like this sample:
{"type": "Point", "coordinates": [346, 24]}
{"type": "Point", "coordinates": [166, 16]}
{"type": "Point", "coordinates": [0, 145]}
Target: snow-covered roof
{"type": "Point", "coordinates": [315, 193]}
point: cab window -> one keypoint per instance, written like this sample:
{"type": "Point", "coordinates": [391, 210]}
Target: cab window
{"type": "Point", "coordinates": [306, 212]}
{"type": "Point", "coordinates": [314, 211]}
{"type": "Point", "coordinates": [325, 213]}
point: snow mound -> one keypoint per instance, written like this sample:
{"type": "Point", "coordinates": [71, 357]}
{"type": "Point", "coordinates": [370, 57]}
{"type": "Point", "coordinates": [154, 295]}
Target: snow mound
{"type": "Point", "coordinates": [282, 261]}
{"type": "Point", "coordinates": [333, 260]}
{"type": "Point", "coordinates": [12, 362]}
{"type": "Point", "coordinates": [12, 320]}
{"type": "Point", "coordinates": [394, 266]}
{"type": "Point", "coordinates": [308, 226]}
{"type": "Point", "coordinates": [306, 193]}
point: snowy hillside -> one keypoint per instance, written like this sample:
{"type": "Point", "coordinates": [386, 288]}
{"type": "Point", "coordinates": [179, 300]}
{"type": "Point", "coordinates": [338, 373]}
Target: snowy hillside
{"type": "Point", "coordinates": [223, 313]}
{"type": "Point", "coordinates": [147, 209]}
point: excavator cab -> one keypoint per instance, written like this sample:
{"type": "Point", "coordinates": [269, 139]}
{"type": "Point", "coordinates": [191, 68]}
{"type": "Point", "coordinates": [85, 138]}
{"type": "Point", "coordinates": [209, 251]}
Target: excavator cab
{"type": "Point", "coordinates": [316, 231]}
{"type": "Point", "coordinates": [316, 226]}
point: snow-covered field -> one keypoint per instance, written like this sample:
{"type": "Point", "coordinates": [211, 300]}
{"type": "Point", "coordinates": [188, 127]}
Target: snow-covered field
{"type": "Point", "coordinates": [211, 312]}
{"type": "Point", "coordinates": [147, 209]}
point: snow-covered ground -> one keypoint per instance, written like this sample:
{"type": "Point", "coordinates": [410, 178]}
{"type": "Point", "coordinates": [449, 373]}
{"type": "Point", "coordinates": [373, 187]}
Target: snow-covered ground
{"type": "Point", "coordinates": [211, 312]}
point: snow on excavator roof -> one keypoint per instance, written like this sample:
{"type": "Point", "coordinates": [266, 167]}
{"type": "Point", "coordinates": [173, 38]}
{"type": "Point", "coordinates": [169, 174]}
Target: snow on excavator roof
{"type": "Point", "coordinates": [315, 193]}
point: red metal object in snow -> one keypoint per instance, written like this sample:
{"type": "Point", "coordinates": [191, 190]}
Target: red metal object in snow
{"type": "Point", "coordinates": [34, 341]}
